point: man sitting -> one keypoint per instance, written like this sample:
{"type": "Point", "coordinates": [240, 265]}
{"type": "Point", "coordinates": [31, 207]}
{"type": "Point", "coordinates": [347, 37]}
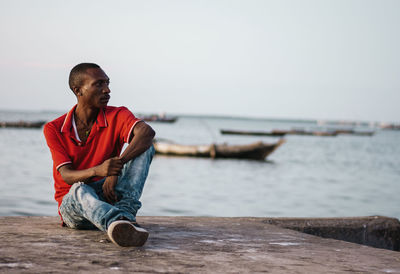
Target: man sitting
{"type": "Point", "coordinates": [96, 185]}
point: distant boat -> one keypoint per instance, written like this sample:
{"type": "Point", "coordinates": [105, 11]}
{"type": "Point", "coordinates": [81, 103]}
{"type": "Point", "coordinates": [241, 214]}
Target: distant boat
{"type": "Point", "coordinates": [255, 133]}
{"type": "Point", "coordinates": [278, 132]}
{"type": "Point", "coordinates": [298, 132]}
{"type": "Point", "coordinates": [23, 124]}
{"type": "Point", "coordinates": [391, 126]}
{"type": "Point", "coordinates": [354, 132]}
{"type": "Point", "coordinates": [254, 151]}
{"type": "Point", "coordinates": [312, 133]}
{"type": "Point", "coordinates": [158, 118]}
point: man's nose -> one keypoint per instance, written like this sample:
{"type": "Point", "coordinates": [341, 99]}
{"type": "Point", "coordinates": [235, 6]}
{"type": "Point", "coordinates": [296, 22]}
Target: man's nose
{"type": "Point", "coordinates": [106, 89]}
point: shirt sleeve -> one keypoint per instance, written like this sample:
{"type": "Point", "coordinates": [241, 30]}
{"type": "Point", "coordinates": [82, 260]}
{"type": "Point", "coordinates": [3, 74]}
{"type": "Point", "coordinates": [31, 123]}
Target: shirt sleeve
{"type": "Point", "coordinates": [128, 123]}
{"type": "Point", "coordinates": [58, 153]}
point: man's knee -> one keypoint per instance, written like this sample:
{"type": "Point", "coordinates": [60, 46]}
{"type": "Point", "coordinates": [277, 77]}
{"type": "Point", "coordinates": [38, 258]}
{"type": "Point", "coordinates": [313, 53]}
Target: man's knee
{"type": "Point", "coordinates": [150, 153]}
{"type": "Point", "coordinates": [150, 150]}
{"type": "Point", "coordinates": [146, 155]}
{"type": "Point", "coordinates": [78, 190]}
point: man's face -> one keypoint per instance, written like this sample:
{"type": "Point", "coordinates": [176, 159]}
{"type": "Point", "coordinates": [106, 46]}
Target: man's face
{"type": "Point", "coordinates": [95, 91]}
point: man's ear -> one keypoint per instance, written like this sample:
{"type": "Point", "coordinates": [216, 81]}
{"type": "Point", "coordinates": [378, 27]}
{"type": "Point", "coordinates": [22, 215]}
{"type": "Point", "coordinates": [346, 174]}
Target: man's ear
{"type": "Point", "coordinates": [77, 91]}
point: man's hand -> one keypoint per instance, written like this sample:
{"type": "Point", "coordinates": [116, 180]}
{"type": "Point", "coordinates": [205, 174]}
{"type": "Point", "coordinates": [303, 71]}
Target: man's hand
{"type": "Point", "coordinates": [110, 167]}
{"type": "Point", "coordinates": [108, 189]}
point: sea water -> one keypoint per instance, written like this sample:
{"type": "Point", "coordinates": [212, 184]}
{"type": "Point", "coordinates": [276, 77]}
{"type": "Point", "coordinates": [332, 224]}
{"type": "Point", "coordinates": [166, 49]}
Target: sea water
{"type": "Point", "coordinates": [308, 176]}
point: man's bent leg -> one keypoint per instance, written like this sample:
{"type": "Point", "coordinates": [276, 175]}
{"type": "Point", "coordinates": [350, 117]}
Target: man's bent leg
{"type": "Point", "coordinates": [82, 206]}
{"type": "Point", "coordinates": [131, 182]}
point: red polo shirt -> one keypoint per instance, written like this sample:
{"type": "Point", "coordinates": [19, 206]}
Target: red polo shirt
{"type": "Point", "coordinates": [111, 130]}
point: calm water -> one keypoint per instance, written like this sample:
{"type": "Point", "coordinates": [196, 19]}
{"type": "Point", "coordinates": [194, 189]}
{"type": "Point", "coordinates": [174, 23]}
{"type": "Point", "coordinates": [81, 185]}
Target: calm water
{"type": "Point", "coordinates": [307, 176]}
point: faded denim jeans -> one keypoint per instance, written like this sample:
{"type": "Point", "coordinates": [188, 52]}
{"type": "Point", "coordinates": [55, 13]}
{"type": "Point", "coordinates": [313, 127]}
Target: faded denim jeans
{"type": "Point", "coordinates": [84, 206]}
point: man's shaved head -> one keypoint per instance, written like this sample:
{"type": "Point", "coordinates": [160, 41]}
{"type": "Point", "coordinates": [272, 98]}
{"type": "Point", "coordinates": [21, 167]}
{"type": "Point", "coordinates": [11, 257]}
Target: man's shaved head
{"type": "Point", "coordinates": [77, 72]}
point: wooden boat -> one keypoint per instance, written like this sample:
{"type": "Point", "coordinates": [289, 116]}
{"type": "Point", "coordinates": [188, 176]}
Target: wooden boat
{"type": "Point", "coordinates": [298, 132]}
{"type": "Point", "coordinates": [391, 126]}
{"type": "Point", "coordinates": [254, 151]}
{"type": "Point", "coordinates": [158, 118]}
{"type": "Point", "coordinates": [276, 132]}
{"type": "Point", "coordinates": [23, 124]}
{"type": "Point", "coordinates": [312, 133]}
{"type": "Point", "coordinates": [354, 132]}
{"type": "Point", "coordinates": [329, 132]}
{"type": "Point", "coordinates": [255, 133]}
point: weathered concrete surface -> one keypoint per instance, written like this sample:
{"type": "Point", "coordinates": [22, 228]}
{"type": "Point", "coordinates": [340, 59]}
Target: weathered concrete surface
{"type": "Point", "coordinates": [184, 245]}
{"type": "Point", "coordinates": [375, 231]}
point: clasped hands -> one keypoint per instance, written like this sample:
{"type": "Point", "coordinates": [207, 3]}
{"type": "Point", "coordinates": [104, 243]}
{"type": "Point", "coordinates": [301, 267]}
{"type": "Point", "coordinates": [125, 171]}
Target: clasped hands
{"type": "Point", "coordinates": [110, 169]}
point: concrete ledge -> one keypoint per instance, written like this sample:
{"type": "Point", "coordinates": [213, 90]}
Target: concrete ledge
{"type": "Point", "coordinates": [184, 245]}
{"type": "Point", "coordinates": [375, 231]}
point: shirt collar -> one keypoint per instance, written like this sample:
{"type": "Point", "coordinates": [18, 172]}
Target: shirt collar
{"type": "Point", "coordinates": [101, 120]}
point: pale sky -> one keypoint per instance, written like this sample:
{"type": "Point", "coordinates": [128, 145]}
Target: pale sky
{"type": "Point", "coordinates": [319, 59]}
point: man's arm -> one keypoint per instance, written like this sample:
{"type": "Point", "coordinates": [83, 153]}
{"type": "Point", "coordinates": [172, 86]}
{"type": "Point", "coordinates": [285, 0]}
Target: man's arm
{"type": "Point", "coordinates": [141, 140]}
{"type": "Point", "coordinates": [109, 167]}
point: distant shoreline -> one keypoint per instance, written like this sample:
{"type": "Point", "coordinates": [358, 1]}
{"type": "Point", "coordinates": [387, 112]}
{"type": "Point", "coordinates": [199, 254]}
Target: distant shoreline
{"type": "Point", "coordinates": [225, 116]}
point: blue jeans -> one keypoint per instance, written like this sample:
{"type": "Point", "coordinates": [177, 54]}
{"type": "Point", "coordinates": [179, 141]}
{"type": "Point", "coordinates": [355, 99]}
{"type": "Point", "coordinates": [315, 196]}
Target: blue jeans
{"type": "Point", "coordinates": [84, 206]}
